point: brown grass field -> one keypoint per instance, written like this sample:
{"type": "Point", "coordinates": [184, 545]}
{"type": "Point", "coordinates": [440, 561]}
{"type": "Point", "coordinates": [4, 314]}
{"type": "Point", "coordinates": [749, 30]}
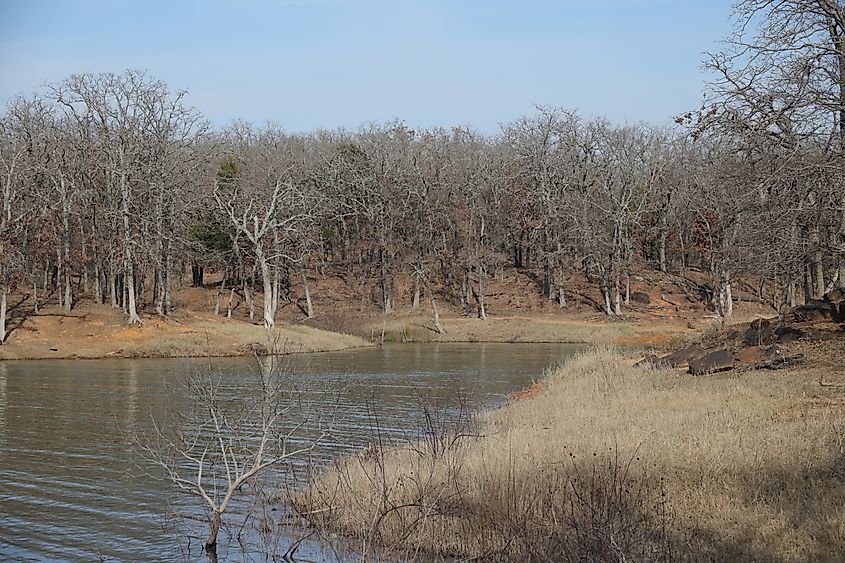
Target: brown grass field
{"type": "Point", "coordinates": [613, 463]}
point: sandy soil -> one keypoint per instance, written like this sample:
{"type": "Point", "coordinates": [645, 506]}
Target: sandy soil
{"type": "Point", "coordinates": [99, 331]}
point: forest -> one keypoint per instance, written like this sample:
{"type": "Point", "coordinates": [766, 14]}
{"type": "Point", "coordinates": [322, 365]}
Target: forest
{"type": "Point", "coordinates": [112, 187]}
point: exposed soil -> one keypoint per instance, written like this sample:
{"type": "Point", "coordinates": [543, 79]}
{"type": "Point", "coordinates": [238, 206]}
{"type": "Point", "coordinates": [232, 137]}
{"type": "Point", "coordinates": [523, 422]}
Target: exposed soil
{"type": "Point", "coordinates": [99, 331]}
{"type": "Point", "coordinates": [663, 309]}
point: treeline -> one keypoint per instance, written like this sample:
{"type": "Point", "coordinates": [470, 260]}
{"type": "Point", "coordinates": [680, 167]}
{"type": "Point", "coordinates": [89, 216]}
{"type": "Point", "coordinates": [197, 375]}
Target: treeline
{"type": "Point", "coordinates": [112, 186]}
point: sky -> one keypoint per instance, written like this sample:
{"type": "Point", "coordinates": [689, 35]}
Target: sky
{"type": "Point", "coordinates": [308, 64]}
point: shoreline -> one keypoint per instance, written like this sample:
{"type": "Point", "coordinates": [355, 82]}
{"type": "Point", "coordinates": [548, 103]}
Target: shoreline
{"type": "Point", "coordinates": [549, 437]}
{"type": "Point", "coordinates": [94, 332]}
{"type": "Point", "coordinates": [194, 335]}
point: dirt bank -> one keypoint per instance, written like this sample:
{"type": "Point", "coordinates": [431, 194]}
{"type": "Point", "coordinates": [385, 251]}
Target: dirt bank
{"type": "Point", "coordinates": [348, 317]}
{"type": "Point", "coordinates": [99, 331]}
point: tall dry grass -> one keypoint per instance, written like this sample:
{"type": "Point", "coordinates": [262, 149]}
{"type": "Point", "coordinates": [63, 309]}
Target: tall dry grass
{"type": "Point", "coordinates": [609, 463]}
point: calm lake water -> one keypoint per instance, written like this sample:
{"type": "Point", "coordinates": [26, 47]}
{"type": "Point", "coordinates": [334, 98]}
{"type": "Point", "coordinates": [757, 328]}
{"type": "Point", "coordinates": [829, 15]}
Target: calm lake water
{"type": "Point", "coordinates": [69, 486]}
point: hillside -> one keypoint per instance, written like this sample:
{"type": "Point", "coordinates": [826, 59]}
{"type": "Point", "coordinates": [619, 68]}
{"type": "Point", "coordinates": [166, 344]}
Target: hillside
{"type": "Point", "coordinates": [663, 308]}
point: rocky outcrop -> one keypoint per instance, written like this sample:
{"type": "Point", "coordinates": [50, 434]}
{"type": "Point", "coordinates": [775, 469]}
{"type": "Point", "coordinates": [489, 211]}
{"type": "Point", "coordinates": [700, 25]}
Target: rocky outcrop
{"type": "Point", "coordinates": [835, 296]}
{"type": "Point", "coordinates": [640, 297]}
{"type": "Point", "coordinates": [712, 362]}
{"type": "Point", "coordinates": [759, 333]}
{"type": "Point", "coordinates": [681, 357]}
{"type": "Point", "coordinates": [817, 310]}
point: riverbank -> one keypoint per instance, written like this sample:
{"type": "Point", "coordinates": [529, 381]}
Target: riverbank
{"type": "Point", "coordinates": [609, 461]}
{"type": "Point", "coordinates": [561, 328]}
{"type": "Point", "coordinates": [663, 309]}
{"type": "Point", "coordinates": [100, 331]}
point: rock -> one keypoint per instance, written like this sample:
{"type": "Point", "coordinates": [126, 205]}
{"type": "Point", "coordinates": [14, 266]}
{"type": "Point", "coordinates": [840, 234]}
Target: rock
{"type": "Point", "coordinates": [775, 357]}
{"type": "Point", "coordinates": [649, 360]}
{"type": "Point", "coordinates": [683, 356]}
{"type": "Point", "coordinates": [814, 310]}
{"type": "Point", "coordinates": [759, 333]}
{"type": "Point", "coordinates": [835, 296]}
{"type": "Point", "coordinates": [787, 334]}
{"type": "Point", "coordinates": [720, 360]}
{"type": "Point", "coordinates": [773, 351]}
{"type": "Point", "coordinates": [640, 297]}
{"type": "Point", "coordinates": [693, 325]}
{"type": "Point", "coordinates": [751, 355]}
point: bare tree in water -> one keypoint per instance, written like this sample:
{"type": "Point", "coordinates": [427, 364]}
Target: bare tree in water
{"type": "Point", "coordinates": [219, 440]}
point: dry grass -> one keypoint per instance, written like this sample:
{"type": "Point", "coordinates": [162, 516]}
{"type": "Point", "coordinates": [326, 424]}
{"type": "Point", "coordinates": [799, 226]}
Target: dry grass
{"type": "Point", "coordinates": [573, 329]}
{"type": "Point", "coordinates": [610, 463]}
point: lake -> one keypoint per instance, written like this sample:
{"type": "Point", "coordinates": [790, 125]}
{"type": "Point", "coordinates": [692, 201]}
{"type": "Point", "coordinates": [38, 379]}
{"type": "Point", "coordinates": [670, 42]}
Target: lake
{"type": "Point", "coordinates": [69, 484]}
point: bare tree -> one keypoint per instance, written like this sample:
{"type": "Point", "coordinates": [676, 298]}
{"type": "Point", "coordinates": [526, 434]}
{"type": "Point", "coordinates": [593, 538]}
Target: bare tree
{"type": "Point", "coordinates": [213, 445]}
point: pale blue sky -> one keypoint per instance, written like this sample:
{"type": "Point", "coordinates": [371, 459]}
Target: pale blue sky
{"type": "Point", "coordinates": [331, 63]}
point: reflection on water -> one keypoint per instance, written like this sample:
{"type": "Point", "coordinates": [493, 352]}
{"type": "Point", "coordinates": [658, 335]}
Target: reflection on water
{"type": "Point", "coordinates": [68, 490]}
{"type": "Point", "coordinates": [3, 376]}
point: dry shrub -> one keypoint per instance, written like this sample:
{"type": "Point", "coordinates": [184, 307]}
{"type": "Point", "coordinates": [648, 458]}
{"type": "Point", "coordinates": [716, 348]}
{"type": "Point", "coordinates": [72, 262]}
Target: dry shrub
{"type": "Point", "coordinates": [609, 463]}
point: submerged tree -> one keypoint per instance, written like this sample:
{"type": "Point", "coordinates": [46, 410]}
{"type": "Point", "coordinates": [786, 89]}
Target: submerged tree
{"type": "Point", "coordinates": [220, 439]}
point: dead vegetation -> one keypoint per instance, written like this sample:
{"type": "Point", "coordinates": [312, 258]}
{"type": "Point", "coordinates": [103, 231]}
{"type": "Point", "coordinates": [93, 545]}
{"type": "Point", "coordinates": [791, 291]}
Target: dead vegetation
{"type": "Point", "coordinates": [610, 462]}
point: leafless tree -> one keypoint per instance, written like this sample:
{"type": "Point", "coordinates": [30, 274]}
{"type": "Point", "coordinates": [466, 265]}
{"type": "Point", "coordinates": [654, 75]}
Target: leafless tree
{"type": "Point", "coordinates": [216, 442]}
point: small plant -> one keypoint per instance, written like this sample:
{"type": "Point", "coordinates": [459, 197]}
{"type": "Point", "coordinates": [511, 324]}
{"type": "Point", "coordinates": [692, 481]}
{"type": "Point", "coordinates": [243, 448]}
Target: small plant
{"type": "Point", "coordinates": [406, 334]}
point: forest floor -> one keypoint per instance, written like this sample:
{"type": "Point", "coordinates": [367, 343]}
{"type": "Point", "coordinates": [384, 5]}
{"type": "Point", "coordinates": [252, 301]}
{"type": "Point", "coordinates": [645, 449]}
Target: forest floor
{"type": "Point", "coordinates": [667, 309]}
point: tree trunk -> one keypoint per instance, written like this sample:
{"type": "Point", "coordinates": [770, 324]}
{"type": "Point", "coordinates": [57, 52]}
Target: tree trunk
{"type": "Point", "coordinates": [561, 295]}
{"type": "Point", "coordinates": [140, 289]}
{"type": "Point", "coordinates": [168, 283]}
{"type": "Point", "coordinates": [98, 289]}
{"type": "Point", "coordinates": [4, 292]}
{"type": "Point", "coordinates": [842, 272]}
{"type": "Point", "coordinates": [434, 310]}
{"type": "Point", "coordinates": [35, 297]}
{"type": "Point", "coordinates": [464, 292]}
{"type": "Point", "coordinates": [617, 295]}
{"type": "Point", "coordinates": [158, 291]}
{"type": "Point", "coordinates": [387, 304]}
{"type": "Point", "coordinates": [66, 249]}
{"type": "Point", "coordinates": [112, 282]}
{"type": "Point", "coordinates": [627, 289]}
{"type": "Point", "coordinates": [231, 305]}
{"type": "Point", "coordinates": [219, 293]}
{"type": "Point", "coordinates": [808, 283]}
{"type": "Point", "coordinates": [790, 295]}
{"type": "Point", "coordinates": [415, 303]}
{"type": "Point", "coordinates": [663, 251]}
{"type": "Point", "coordinates": [309, 307]}
{"type": "Point", "coordinates": [818, 274]}
{"type": "Point", "coordinates": [59, 266]}
{"type": "Point", "coordinates": [482, 310]}
{"type": "Point", "coordinates": [248, 298]}
{"type": "Point", "coordinates": [128, 265]}
{"type": "Point", "coordinates": [216, 523]}
{"type": "Point", "coordinates": [68, 290]}
{"type": "Point", "coordinates": [197, 275]}
{"type": "Point", "coordinates": [606, 292]}
{"type": "Point", "coordinates": [267, 281]}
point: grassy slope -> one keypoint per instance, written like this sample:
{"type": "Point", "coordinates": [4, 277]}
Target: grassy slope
{"type": "Point", "coordinates": [610, 460]}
